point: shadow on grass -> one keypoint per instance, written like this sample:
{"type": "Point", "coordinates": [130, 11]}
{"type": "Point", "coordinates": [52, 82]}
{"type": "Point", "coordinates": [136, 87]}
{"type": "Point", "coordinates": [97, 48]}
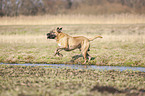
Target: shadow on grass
{"type": "Point", "coordinates": [78, 56]}
{"type": "Point", "coordinates": [106, 88]}
{"type": "Point", "coordinates": [113, 90]}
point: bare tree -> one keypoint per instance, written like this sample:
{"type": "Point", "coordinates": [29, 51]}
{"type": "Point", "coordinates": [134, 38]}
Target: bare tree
{"type": "Point", "coordinates": [36, 7]}
{"type": "Point", "coordinates": [1, 8]}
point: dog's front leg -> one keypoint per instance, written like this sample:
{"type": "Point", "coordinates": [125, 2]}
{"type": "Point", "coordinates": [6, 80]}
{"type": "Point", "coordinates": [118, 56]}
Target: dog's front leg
{"type": "Point", "coordinates": [61, 47]}
{"type": "Point", "coordinates": [57, 52]}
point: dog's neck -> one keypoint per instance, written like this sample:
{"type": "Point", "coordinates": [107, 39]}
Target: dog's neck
{"type": "Point", "coordinates": [59, 36]}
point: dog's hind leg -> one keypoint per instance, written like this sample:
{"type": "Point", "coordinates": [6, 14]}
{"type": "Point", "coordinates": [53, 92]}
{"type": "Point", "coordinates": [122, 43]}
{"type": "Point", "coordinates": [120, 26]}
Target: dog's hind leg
{"type": "Point", "coordinates": [84, 50]}
{"type": "Point", "coordinates": [85, 56]}
{"type": "Point", "coordinates": [89, 56]}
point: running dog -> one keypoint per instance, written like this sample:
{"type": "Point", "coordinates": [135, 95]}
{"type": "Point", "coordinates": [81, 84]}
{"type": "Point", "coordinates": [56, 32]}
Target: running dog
{"type": "Point", "coordinates": [68, 43]}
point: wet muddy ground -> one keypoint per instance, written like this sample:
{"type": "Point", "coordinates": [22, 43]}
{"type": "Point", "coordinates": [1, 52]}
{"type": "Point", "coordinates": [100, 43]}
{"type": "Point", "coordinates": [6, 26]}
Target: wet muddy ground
{"type": "Point", "coordinates": [38, 81]}
{"type": "Point", "coordinates": [77, 66]}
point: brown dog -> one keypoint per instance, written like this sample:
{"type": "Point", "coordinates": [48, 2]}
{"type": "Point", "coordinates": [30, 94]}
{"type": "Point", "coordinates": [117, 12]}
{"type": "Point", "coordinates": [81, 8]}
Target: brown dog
{"type": "Point", "coordinates": [68, 43]}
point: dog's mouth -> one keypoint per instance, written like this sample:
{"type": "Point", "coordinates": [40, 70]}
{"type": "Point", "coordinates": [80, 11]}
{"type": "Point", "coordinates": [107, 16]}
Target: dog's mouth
{"type": "Point", "coordinates": [51, 36]}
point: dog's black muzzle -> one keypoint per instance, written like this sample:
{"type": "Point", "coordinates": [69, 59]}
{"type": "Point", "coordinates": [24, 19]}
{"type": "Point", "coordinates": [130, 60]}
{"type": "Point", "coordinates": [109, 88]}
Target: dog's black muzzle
{"type": "Point", "coordinates": [48, 35]}
{"type": "Point", "coordinates": [51, 36]}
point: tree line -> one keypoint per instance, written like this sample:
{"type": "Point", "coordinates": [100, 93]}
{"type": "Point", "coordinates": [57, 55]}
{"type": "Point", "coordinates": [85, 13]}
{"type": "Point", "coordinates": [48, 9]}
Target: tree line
{"type": "Point", "coordinates": [42, 7]}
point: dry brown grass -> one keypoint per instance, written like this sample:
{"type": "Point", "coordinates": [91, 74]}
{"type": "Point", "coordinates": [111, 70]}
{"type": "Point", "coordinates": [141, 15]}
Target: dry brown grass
{"type": "Point", "coordinates": [38, 81]}
{"type": "Point", "coordinates": [73, 19]}
{"type": "Point", "coordinates": [12, 39]}
{"type": "Point", "coordinates": [121, 45]}
{"type": "Point", "coordinates": [116, 50]}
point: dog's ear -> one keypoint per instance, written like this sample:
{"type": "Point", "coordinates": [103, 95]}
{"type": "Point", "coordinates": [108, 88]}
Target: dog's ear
{"type": "Point", "coordinates": [59, 29]}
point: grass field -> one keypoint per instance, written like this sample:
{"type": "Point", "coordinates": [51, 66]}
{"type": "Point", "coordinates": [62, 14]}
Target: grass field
{"type": "Point", "coordinates": [121, 45]}
{"type": "Point", "coordinates": [26, 42]}
{"type": "Point", "coordinates": [74, 19]}
{"type": "Point", "coordinates": [37, 81]}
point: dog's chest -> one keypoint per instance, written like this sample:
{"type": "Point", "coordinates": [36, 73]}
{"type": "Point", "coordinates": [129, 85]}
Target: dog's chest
{"type": "Point", "coordinates": [59, 44]}
{"type": "Point", "coordinates": [62, 42]}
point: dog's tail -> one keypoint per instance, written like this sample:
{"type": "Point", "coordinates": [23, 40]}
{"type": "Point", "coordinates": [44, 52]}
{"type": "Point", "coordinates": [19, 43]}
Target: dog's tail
{"type": "Point", "coordinates": [91, 39]}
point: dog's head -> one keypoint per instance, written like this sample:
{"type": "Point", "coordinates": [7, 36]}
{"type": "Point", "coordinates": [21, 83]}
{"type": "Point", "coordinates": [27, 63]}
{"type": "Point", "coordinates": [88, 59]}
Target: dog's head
{"type": "Point", "coordinates": [53, 34]}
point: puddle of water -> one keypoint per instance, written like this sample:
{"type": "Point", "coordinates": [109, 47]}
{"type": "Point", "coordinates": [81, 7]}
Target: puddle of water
{"type": "Point", "coordinates": [75, 66]}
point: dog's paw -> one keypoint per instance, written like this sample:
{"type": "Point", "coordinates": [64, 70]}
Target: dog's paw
{"type": "Point", "coordinates": [60, 55]}
{"type": "Point", "coordinates": [55, 54]}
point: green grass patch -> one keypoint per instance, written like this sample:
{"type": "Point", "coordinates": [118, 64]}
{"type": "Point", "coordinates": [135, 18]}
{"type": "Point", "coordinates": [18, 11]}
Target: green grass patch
{"type": "Point", "coordinates": [37, 81]}
{"type": "Point", "coordinates": [117, 48]}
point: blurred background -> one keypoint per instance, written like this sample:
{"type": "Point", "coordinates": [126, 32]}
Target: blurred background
{"type": "Point", "coordinates": [44, 12]}
{"type": "Point", "coordinates": [86, 7]}
{"type": "Point", "coordinates": [48, 12]}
